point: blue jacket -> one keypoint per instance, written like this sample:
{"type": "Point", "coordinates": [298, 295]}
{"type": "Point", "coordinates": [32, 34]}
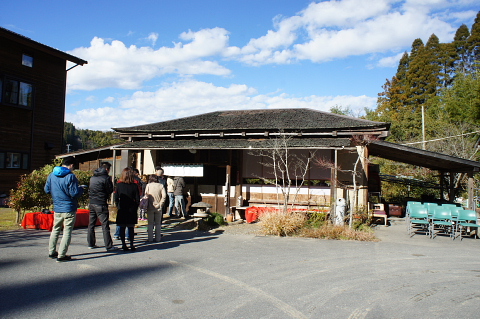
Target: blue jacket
{"type": "Point", "coordinates": [63, 185]}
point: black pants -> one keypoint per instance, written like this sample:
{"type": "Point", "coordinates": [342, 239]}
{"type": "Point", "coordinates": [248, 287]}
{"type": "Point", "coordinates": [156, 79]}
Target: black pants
{"type": "Point", "coordinates": [100, 212]}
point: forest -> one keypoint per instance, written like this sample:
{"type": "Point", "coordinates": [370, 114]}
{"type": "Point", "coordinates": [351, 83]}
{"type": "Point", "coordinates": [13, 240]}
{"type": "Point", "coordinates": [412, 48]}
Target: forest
{"type": "Point", "coordinates": [432, 102]}
{"type": "Point", "coordinates": [81, 139]}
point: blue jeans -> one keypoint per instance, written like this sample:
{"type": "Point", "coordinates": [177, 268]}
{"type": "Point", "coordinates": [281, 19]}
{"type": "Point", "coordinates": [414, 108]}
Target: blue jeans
{"type": "Point", "coordinates": [180, 206]}
{"type": "Point", "coordinates": [117, 232]}
{"type": "Point", "coordinates": [171, 203]}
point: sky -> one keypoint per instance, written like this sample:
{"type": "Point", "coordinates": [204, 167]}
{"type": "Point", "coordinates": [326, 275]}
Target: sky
{"type": "Point", "coordinates": [157, 60]}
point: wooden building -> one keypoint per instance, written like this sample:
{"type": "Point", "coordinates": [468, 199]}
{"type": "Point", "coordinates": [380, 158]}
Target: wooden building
{"type": "Point", "coordinates": [32, 101]}
{"type": "Point", "coordinates": [225, 155]}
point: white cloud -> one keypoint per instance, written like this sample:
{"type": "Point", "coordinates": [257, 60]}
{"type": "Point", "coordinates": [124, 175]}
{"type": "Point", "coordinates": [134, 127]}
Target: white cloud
{"type": "Point", "coordinates": [321, 32]}
{"type": "Point", "coordinates": [153, 37]}
{"type": "Point", "coordinates": [192, 97]}
{"type": "Point", "coordinates": [114, 65]}
{"type": "Point", "coordinates": [109, 99]}
{"type": "Point", "coordinates": [339, 29]}
{"type": "Point", "coordinates": [391, 61]}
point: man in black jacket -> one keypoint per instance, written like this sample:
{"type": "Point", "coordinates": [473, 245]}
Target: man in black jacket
{"type": "Point", "coordinates": [100, 189]}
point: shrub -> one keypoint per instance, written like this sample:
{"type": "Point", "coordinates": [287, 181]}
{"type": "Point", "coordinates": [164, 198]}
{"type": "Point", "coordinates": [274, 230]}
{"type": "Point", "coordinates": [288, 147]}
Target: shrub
{"type": "Point", "coordinates": [316, 219]}
{"type": "Point", "coordinates": [30, 194]}
{"type": "Point", "coordinates": [281, 223]}
{"type": "Point", "coordinates": [215, 219]}
{"type": "Point", "coordinates": [338, 232]}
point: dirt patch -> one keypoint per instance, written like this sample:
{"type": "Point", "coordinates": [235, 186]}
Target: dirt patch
{"type": "Point", "coordinates": [240, 229]}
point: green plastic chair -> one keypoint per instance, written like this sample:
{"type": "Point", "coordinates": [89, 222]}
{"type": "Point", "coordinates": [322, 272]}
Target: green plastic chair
{"type": "Point", "coordinates": [441, 219]}
{"type": "Point", "coordinates": [408, 209]}
{"type": "Point", "coordinates": [466, 218]}
{"type": "Point", "coordinates": [431, 207]}
{"type": "Point", "coordinates": [418, 218]}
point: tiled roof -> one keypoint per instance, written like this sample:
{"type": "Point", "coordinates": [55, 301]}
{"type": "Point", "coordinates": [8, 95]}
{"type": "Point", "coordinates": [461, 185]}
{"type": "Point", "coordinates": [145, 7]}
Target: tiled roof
{"type": "Point", "coordinates": [234, 143]}
{"type": "Point", "coordinates": [40, 46]}
{"type": "Point", "coordinates": [269, 119]}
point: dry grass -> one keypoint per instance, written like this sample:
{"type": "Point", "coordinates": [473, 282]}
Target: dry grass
{"type": "Point", "coordinates": [278, 223]}
{"type": "Point", "coordinates": [337, 232]}
{"type": "Point", "coordinates": [8, 219]}
{"type": "Point", "coordinates": [281, 223]}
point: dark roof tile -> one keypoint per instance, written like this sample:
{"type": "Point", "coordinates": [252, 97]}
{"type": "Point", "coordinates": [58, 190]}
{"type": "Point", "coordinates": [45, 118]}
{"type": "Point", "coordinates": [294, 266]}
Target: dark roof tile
{"type": "Point", "coordinates": [269, 119]}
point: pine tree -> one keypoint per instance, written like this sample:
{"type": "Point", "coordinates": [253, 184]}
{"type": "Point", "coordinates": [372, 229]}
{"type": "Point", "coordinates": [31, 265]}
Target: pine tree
{"type": "Point", "coordinates": [473, 45]}
{"type": "Point", "coordinates": [460, 44]}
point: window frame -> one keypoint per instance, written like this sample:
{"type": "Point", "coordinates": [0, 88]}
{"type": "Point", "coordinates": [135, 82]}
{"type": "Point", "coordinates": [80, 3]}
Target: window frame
{"type": "Point", "coordinates": [8, 158]}
{"type": "Point", "coordinates": [17, 92]}
{"type": "Point", "coordinates": [27, 60]}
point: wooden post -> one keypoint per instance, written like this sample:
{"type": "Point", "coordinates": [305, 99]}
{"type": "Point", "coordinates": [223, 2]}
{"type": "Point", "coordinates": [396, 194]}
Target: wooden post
{"type": "Point", "coordinates": [451, 191]}
{"type": "Point", "coordinates": [227, 190]}
{"type": "Point", "coordinates": [114, 165]}
{"type": "Point", "coordinates": [442, 185]}
{"type": "Point", "coordinates": [471, 203]}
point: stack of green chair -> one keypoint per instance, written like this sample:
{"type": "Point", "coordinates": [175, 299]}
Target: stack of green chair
{"type": "Point", "coordinates": [466, 219]}
{"type": "Point", "coordinates": [418, 218]}
{"type": "Point", "coordinates": [441, 219]}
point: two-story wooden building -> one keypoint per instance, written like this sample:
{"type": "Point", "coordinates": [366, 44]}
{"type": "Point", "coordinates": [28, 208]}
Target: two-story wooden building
{"type": "Point", "coordinates": [33, 80]}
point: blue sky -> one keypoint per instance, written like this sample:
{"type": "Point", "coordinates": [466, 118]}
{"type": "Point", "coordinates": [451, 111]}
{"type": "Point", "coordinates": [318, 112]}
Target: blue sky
{"type": "Point", "coordinates": [151, 61]}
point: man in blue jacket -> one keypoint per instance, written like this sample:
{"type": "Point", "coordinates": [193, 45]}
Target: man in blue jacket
{"type": "Point", "coordinates": [62, 184]}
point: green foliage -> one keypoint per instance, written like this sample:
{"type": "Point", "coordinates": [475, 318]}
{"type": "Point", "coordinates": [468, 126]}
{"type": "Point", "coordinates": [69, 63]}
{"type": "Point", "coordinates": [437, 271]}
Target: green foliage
{"type": "Point", "coordinates": [316, 219]}
{"type": "Point", "coordinates": [215, 219]}
{"type": "Point", "coordinates": [340, 110]}
{"type": "Point", "coordinates": [87, 139]}
{"type": "Point", "coordinates": [443, 80]}
{"type": "Point", "coordinates": [30, 194]}
{"type": "Point", "coordinates": [420, 81]}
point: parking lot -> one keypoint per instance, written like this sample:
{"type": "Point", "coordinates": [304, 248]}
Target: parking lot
{"type": "Point", "coordinates": [213, 275]}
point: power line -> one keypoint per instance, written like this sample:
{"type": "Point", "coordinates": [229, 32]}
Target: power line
{"type": "Point", "coordinates": [439, 139]}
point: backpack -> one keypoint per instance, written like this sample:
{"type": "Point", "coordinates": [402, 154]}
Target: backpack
{"type": "Point", "coordinates": [144, 203]}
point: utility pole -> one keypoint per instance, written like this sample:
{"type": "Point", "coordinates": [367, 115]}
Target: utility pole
{"type": "Point", "coordinates": [423, 127]}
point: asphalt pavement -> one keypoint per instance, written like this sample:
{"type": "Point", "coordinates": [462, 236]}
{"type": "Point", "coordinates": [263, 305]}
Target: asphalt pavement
{"type": "Point", "coordinates": [213, 275]}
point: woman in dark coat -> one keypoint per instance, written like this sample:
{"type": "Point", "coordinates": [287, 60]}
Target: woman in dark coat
{"type": "Point", "coordinates": [127, 198]}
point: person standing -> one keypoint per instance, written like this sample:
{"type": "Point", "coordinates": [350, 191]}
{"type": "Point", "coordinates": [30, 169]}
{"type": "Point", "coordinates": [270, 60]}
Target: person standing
{"type": "Point", "coordinates": [171, 196]}
{"type": "Point", "coordinates": [156, 200]}
{"type": "Point", "coordinates": [62, 184]}
{"type": "Point", "coordinates": [178, 191]}
{"type": "Point", "coordinates": [162, 179]}
{"type": "Point", "coordinates": [127, 198]}
{"type": "Point", "coordinates": [100, 189]}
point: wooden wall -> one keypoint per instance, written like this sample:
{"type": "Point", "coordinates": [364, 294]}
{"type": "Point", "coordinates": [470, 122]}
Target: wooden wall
{"type": "Point", "coordinates": [31, 130]}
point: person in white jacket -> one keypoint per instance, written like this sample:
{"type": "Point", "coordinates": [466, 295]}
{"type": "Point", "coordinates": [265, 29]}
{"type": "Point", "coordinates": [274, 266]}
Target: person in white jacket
{"type": "Point", "coordinates": [156, 199]}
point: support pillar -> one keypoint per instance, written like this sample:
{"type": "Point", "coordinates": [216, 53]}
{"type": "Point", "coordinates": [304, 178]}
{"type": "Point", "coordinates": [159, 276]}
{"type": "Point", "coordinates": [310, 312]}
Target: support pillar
{"type": "Point", "coordinates": [471, 202]}
{"type": "Point", "coordinates": [227, 190]}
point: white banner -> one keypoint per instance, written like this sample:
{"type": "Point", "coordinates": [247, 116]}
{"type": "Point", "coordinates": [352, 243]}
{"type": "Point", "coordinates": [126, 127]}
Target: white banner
{"type": "Point", "coordinates": [184, 170]}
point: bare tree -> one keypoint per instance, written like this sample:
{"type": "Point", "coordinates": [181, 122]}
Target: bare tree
{"type": "Point", "coordinates": [288, 168]}
{"type": "Point", "coordinates": [361, 142]}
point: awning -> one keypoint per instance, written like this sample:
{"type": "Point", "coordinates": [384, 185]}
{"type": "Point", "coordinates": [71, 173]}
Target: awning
{"type": "Point", "coordinates": [423, 158]}
{"type": "Point", "coordinates": [221, 143]}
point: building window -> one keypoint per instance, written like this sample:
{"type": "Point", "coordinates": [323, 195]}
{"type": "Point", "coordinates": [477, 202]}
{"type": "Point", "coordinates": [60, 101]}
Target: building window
{"type": "Point", "coordinates": [25, 97]}
{"type": "Point", "coordinates": [18, 93]}
{"type": "Point", "coordinates": [27, 60]}
{"type": "Point", "coordinates": [14, 160]}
